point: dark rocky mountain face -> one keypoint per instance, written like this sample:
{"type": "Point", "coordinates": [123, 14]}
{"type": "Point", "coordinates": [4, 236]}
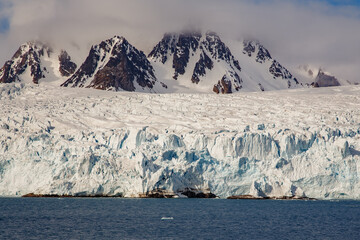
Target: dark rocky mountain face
{"type": "Point", "coordinates": [279, 71]}
{"type": "Point", "coordinates": [27, 56]}
{"type": "Point", "coordinates": [201, 59]}
{"type": "Point", "coordinates": [86, 70]}
{"type": "Point", "coordinates": [200, 68]}
{"type": "Point", "coordinates": [167, 44]}
{"type": "Point", "coordinates": [186, 43]}
{"type": "Point", "coordinates": [8, 73]}
{"type": "Point", "coordinates": [67, 67]}
{"type": "Point", "coordinates": [262, 55]}
{"type": "Point", "coordinates": [219, 51]}
{"type": "Point", "coordinates": [325, 80]}
{"type": "Point", "coordinates": [180, 48]}
{"type": "Point", "coordinates": [116, 65]}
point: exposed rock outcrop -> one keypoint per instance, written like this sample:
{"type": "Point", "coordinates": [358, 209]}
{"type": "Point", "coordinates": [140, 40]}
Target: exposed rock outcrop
{"type": "Point", "coordinates": [187, 192]}
{"type": "Point", "coordinates": [114, 65]}
{"type": "Point", "coordinates": [251, 197]}
{"type": "Point", "coordinates": [26, 58]}
{"type": "Point", "coordinates": [67, 67]}
{"type": "Point", "coordinates": [33, 195]}
{"type": "Point", "coordinates": [223, 86]}
{"type": "Point", "coordinates": [205, 50]}
{"type": "Point", "coordinates": [262, 55]}
{"type": "Point", "coordinates": [200, 68]}
{"type": "Point", "coordinates": [195, 193]}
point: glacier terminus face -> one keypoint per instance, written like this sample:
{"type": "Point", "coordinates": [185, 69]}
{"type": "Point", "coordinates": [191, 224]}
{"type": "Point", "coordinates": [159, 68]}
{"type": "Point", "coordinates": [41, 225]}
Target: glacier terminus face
{"type": "Point", "coordinates": [303, 142]}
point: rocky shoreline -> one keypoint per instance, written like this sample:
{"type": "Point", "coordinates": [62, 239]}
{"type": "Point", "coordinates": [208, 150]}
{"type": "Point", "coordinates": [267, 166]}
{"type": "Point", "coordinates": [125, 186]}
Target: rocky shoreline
{"type": "Point", "coordinates": [156, 193]}
{"type": "Point", "coordinates": [33, 195]}
{"type": "Point", "coordinates": [251, 197]}
{"type": "Point", "coordinates": [186, 193]}
{"type": "Point", "coordinates": [164, 194]}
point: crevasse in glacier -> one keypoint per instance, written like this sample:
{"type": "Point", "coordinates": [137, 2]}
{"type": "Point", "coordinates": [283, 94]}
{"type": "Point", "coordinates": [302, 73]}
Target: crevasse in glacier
{"type": "Point", "coordinates": [45, 152]}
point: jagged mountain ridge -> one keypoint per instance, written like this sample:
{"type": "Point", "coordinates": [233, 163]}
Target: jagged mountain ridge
{"type": "Point", "coordinates": [207, 61]}
{"type": "Point", "coordinates": [67, 67]}
{"type": "Point", "coordinates": [262, 55]}
{"type": "Point", "coordinates": [115, 64]}
{"type": "Point", "coordinates": [251, 47]}
{"type": "Point", "coordinates": [256, 51]}
{"type": "Point", "coordinates": [28, 64]}
{"type": "Point", "coordinates": [181, 62]}
{"type": "Point", "coordinates": [199, 54]}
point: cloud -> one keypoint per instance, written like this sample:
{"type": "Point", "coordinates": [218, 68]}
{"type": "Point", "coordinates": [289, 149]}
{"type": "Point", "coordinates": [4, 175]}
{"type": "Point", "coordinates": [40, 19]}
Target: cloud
{"type": "Point", "coordinates": [296, 32]}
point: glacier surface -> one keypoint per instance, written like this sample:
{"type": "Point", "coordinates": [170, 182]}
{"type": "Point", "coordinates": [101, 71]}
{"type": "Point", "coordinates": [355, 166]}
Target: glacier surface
{"type": "Point", "coordinates": [303, 142]}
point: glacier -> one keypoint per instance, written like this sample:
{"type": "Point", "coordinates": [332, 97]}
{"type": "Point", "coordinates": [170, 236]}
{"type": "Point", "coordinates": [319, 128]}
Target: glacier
{"type": "Point", "coordinates": [301, 142]}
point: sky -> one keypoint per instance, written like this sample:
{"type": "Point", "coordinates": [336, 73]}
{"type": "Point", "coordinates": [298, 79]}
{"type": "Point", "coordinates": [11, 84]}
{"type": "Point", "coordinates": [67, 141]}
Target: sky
{"type": "Point", "coordinates": [322, 33]}
{"type": "Point", "coordinates": [344, 2]}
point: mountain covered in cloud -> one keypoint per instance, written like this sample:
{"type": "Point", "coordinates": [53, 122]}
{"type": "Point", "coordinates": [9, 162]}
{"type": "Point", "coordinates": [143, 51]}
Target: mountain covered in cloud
{"type": "Point", "coordinates": [316, 32]}
{"type": "Point", "coordinates": [188, 61]}
{"type": "Point", "coordinates": [317, 77]}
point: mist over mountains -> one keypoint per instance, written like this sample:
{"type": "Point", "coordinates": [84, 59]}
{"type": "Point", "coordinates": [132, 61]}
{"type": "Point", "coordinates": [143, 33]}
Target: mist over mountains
{"type": "Point", "coordinates": [185, 61]}
{"type": "Point", "coordinates": [296, 32]}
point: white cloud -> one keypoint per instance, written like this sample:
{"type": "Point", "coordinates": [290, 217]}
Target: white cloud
{"type": "Point", "coordinates": [296, 33]}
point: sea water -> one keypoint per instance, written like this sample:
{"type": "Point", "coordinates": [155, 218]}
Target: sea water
{"type": "Point", "coordinates": [103, 218]}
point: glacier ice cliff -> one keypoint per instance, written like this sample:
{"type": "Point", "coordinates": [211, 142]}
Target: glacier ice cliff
{"type": "Point", "coordinates": [125, 144]}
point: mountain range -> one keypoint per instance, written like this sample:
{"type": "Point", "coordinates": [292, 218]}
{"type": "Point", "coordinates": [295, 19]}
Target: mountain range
{"type": "Point", "coordinates": [188, 61]}
{"type": "Point", "coordinates": [60, 137]}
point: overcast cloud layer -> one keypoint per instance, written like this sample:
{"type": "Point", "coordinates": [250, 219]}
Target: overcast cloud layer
{"type": "Point", "coordinates": [295, 32]}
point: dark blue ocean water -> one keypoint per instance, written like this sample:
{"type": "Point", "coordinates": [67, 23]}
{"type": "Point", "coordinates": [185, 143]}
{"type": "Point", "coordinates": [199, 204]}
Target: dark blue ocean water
{"type": "Point", "coordinates": [40, 218]}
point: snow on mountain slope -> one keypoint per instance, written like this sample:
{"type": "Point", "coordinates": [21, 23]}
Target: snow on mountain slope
{"type": "Point", "coordinates": [205, 63]}
{"type": "Point", "coordinates": [84, 141]}
{"type": "Point", "coordinates": [190, 61]}
{"type": "Point", "coordinates": [185, 62]}
{"type": "Point", "coordinates": [116, 65]}
{"type": "Point", "coordinates": [180, 62]}
{"type": "Point", "coordinates": [261, 70]}
{"type": "Point", "coordinates": [36, 62]}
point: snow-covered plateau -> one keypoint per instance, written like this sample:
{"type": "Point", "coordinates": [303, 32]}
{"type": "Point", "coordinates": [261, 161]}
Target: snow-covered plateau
{"type": "Point", "coordinates": [301, 142]}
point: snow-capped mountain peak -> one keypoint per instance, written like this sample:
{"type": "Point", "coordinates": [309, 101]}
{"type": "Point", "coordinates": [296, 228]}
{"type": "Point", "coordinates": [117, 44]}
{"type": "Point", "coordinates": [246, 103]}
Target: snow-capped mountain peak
{"type": "Point", "coordinates": [179, 47]}
{"type": "Point", "coordinates": [35, 61]}
{"type": "Point", "coordinates": [26, 58]}
{"type": "Point", "coordinates": [194, 58]}
{"type": "Point", "coordinates": [262, 60]}
{"type": "Point", "coordinates": [204, 62]}
{"type": "Point", "coordinates": [115, 64]}
{"type": "Point", "coordinates": [189, 61]}
{"type": "Point", "coordinates": [219, 50]}
{"type": "Point", "coordinates": [253, 47]}
{"type": "Point", "coordinates": [67, 67]}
